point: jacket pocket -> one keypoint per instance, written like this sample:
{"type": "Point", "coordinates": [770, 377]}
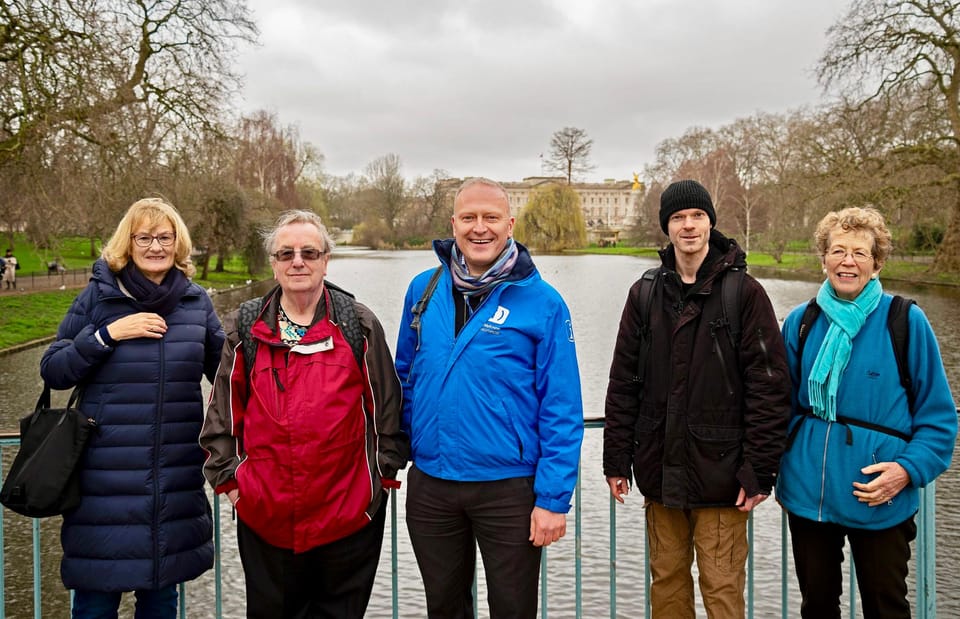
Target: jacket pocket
{"type": "Point", "coordinates": [714, 456]}
{"type": "Point", "coordinates": [254, 506]}
{"type": "Point", "coordinates": [648, 455]}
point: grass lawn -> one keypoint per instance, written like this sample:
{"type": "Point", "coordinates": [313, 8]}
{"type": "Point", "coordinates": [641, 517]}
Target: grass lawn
{"type": "Point", "coordinates": [26, 317]}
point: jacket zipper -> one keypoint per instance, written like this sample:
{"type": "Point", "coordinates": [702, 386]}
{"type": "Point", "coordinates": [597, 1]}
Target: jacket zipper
{"type": "Point", "coordinates": [276, 378]}
{"type": "Point", "coordinates": [156, 473]}
{"type": "Point", "coordinates": [823, 472]}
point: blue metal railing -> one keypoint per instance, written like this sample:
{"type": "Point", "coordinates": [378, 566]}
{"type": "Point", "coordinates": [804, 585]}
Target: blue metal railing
{"type": "Point", "coordinates": [926, 601]}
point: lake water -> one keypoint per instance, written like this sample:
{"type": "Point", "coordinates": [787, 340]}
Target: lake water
{"type": "Point", "coordinates": [595, 289]}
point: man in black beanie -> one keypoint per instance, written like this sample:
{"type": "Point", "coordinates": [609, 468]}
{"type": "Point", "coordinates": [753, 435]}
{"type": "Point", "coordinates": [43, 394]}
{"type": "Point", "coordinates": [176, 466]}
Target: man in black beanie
{"type": "Point", "coordinates": [697, 407]}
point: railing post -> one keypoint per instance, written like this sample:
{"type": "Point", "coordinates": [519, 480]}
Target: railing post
{"type": "Point", "coordinates": [613, 557]}
{"type": "Point", "coordinates": [647, 608]}
{"type": "Point", "coordinates": [578, 549]}
{"type": "Point", "coordinates": [3, 582]}
{"type": "Point", "coordinates": [750, 565]}
{"type": "Point", "coordinates": [784, 569]}
{"type": "Point", "coordinates": [543, 583]}
{"type": "Point", "coordinates": [37, 585]}
{"type": "Point", "coordinates": [217, 562]}
{"type": "Point", "coordinates": [927, 554]}
{"type": "Point", "coordinates": [394, 565]}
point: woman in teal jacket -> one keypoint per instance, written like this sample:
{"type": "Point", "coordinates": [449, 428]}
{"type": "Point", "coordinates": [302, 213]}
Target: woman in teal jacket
{"type": "Point", "coordinates": [857, 453]}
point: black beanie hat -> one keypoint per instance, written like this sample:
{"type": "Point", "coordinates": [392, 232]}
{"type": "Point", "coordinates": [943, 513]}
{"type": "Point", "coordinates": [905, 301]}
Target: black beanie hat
{"type": "Point", "coordinates": [683, 195]}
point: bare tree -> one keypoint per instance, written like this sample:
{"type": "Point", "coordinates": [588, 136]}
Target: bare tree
{"type": "Point", "coordinates": [384, 178]}
{"type": "Point", "coordinates": [118, 83]}
{"type": "Point", "coordinates": [570, 153]}
{"type": "Point", "coordinates": [64, 63]}
{"type": "Point", "coordinates": [432, 203]}
{"type": "Point", "coordinates": [271, 159]}
{"type": "Point", "coordinates": [881, 47]}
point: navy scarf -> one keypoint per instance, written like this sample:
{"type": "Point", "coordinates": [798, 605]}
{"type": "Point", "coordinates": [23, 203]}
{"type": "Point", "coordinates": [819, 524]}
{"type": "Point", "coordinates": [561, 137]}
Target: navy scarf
{"type": "Point", "coordinates": [159, 299]}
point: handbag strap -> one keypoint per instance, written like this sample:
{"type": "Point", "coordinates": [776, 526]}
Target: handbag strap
{"type": "Point", "coordinates": [44, 400]}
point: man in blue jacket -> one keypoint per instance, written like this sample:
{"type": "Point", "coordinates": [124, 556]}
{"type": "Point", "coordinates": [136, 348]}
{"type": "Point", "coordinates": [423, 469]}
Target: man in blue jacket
{"type": "Point", "coordinates": [493, 409]}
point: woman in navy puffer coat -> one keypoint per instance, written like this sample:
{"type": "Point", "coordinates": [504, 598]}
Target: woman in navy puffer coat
{"type": "Point", "coordinates": [139, 339]}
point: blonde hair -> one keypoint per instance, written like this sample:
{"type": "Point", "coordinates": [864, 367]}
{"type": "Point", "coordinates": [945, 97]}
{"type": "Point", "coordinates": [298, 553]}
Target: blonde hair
{"type": "Point", "coordinates": [149, 212]}
{"type": "Point", "coordinates": [856, 219]}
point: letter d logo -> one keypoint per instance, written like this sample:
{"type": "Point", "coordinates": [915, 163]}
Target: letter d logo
{"type": "Point", "coordinates": [500, 316]}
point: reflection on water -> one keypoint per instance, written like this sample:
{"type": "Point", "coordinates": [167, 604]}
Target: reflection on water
{"type": "Point", "coordinates": [595, 288]}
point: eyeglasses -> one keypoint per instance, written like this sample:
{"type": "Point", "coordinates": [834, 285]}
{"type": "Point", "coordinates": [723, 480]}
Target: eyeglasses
{"type": "Point", "coordinates": [307, 254]}
{"type": "Point", "coordinates": [146, 240]}
{"type": "Point", "coordinates": [839, 254]}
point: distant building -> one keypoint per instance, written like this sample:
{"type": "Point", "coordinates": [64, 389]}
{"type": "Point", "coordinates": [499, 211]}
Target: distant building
{"type": "Point", "coordinates": [609, 208]}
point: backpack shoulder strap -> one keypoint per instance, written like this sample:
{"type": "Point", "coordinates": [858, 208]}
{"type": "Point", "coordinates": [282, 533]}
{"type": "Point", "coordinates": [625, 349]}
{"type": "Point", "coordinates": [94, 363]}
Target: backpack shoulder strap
{"type": "Point", "coordinates": [647, 282]}
{"type": "Point", "coordinates": [421, 305]}
{"type": "Point", "coordinates": [810, 314]}
{"type": "Point", "coordinates": [730, 301]}
{"type": "Point", "coordinates": [898, 324]}
{"type": "Point", "coordinates": [246, 315]}
{"type": "Point", "coordinates": [345, 314]}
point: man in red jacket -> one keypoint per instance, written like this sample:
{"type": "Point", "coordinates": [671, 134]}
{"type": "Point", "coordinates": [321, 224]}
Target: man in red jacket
{"type": "Point", "coordinates": [303, 434]}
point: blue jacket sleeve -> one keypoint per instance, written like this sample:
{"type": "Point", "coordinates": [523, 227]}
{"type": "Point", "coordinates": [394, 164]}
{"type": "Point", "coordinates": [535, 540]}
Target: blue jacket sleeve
{"type": "Point", "coordinates": [561, 412]}
{"type": "Point", "coordinates": [406, 350]}
{"type": "Point", "coordinates": [935, 413]}
{"type": "Point", "coordinates": [76, 352]}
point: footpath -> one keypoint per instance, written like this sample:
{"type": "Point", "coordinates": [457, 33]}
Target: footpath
{"type": "Point", "coordinates": [36, 280]}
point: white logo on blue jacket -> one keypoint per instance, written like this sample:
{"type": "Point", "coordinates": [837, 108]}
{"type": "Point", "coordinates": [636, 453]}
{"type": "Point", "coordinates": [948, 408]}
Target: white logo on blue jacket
{"type": "Point", "coordinates": [500, 316]}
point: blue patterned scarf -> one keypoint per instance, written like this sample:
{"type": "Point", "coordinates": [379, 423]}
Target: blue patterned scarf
{"type": "Point", "coordinates": [498, 272]}
{"type": "Point", "coordinates": [846, 319]}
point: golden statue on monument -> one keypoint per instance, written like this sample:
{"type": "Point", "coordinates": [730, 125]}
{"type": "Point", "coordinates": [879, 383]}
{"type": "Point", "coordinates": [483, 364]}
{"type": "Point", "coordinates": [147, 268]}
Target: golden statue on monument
{"type": "Point", "coordinates": [636, 182]}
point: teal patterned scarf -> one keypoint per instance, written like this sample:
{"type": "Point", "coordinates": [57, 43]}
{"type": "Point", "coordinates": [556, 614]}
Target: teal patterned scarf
{"type": "Point", "coordinates": [846, 319]}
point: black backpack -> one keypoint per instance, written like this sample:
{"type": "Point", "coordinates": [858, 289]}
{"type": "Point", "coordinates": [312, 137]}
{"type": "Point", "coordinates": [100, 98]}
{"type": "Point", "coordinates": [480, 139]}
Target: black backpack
{"type": "Point", "coordinates": [343, 311]}
{"type": "Point", "coordinates": [730, 304]}
{"type": "Point", "coordinates": [898, 325]}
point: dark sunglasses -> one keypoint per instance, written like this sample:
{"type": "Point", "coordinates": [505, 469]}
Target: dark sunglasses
{"type": "Point", "coordinates": [308, 254]}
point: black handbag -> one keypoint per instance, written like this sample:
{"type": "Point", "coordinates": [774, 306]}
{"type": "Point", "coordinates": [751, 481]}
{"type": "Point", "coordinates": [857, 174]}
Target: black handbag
{"type": "Point", "coordinates": [43, 479]}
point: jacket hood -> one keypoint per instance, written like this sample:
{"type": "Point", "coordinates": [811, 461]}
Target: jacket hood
{"type": "Point", "coordinates": [523, 269]}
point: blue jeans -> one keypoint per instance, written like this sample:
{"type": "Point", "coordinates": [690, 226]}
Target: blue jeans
{"type": "Point", "coordinates": [151, 604]}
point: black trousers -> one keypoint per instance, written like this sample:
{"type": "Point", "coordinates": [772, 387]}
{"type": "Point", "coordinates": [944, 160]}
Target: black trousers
{"type": "Point", "coordinates": [447, 520]}
{"type": "Point", "coordinates": [880, 558]}
{"type": "Point", "coordinates": [331, 581]}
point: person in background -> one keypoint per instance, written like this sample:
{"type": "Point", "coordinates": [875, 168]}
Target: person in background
{"type": "Point", "coordinates": [303, 434]}
{"type": "Point", "coordinates": [704, 427]}
{"type": "Point", "coordinates": [859, 451]}
{"type": "Point", "coordinates": [10, 267]}
{"type": "Point", "coordinates": [138, 340]}
{"type": "Point", "coordinates": [493, 408]}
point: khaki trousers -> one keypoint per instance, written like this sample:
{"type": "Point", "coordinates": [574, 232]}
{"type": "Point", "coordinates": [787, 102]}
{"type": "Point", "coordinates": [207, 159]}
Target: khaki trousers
{"type": "Point", "coordinates": [719, 535]}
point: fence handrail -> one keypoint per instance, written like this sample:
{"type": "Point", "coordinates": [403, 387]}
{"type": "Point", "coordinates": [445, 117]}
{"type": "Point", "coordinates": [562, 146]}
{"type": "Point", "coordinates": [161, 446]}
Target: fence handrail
{"type": "Point", "coordinates": [926, 601]}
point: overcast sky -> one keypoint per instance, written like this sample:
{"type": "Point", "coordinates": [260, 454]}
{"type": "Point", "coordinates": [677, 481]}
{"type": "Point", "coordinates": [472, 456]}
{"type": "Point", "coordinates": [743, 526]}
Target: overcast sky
{"type": "Point", "coordinates": [477, 87]}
